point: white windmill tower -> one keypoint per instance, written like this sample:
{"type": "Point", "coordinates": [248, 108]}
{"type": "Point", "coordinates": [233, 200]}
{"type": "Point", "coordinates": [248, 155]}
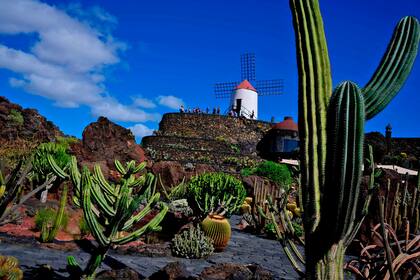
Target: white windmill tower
{"type": "Point", "coordinates": [244, 100]}
{"type": "Point", "coordinates": [243, 95]}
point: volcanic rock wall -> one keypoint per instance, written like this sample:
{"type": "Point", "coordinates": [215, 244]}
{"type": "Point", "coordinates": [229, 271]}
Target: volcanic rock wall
{"type": "Point", "coordinates": [205, 138]}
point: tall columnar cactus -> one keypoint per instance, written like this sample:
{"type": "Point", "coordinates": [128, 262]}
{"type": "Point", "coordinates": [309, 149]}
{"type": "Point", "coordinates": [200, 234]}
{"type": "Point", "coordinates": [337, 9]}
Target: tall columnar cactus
{"type": "Point", "coordinates": [49, 232]}
{"type": "Point", "coordinates": [332, 143]}
{"type": "Point", "coordinates": [345, 127]}
{"type": "Point", "coordinates": [109, 210]}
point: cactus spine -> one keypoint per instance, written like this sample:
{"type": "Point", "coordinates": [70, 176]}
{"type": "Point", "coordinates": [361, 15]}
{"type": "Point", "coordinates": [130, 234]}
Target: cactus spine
{"type": "Point", "coordinates": [336, 138]}
{"type": "Point", "coordinates": [109, 209]}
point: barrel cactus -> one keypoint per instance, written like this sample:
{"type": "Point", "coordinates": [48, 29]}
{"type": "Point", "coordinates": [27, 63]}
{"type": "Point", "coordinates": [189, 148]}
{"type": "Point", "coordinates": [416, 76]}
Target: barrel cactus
{"type": "Point", "coordinates": [216, 196]}
{"type": "Point", "coordinates": [331, 134]}
{"type": "Point", "coordinates": [218, 229]}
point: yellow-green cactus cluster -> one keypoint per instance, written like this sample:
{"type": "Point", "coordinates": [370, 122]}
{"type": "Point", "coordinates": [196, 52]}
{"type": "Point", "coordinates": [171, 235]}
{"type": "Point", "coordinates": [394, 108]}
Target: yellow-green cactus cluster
{"type": "Point", "coordinates": [246, 206]}
{"type": "Point", "coordinates": [292, 207]}
{"type": "Point", "coordinates": [9, 268]}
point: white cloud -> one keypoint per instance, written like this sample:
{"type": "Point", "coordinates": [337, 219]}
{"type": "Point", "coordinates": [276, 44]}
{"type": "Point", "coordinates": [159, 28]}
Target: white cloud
{"type": "Point", "coordinates": [66, 63]}
{"type": "Point", "coordinates": [114, 110]}
{"type": "Point", "coordinates": [143, 103]}
{"type": "Point", "coordinates": [140, 130]}
{"type": "Point", "coordinates": [170, 101]}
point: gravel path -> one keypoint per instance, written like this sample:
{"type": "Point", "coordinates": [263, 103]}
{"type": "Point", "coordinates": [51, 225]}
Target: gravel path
{"type": "Point", "coordinates": [243, 248]}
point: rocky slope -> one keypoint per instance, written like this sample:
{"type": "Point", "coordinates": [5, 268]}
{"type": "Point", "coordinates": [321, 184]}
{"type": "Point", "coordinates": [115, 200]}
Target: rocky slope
{"type": "Point", "coordinates": [22, 130]}
{"type": "Point", "coordinates": [104, 141]}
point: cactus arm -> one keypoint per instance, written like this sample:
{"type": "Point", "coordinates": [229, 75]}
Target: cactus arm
{"type": "Point", "coordinates": [73, 268]}
{"type": "Point", "coordinates": [60, 214]}
{"type": "Point", "coordinates": [364, 210]}
{"type": "Point", "coordinates": [415, 198]}
{"type": "Point", "coordinates": [57, 169]}
{"type": "Point", "coordinates": [150, 226]}
{"type": "Point", "coordinates": [314, 92]}
{"type": "Point", "coordinates": [99, 177]}
{"type": "Point", "coordinates": [90, 217]}
{"type": "Point", "coordinates": [48, 234]}
{"type": "Point", "coordinates": [146, 210]}
{"type": "Point", "coordinates": [120, 168]}
{"type": "Point", "coordinates": [140, 167]}
{"type": "Point", "coordinates": [122, 211]}
{"type": "Point", "coordinates": [74, 173]}
{"type": "Point", "coordinates": [99, 198]}
{"type": "Point", "coordinates": [394, 68]}
{"type": "Point", "coordinates": [346, 118]}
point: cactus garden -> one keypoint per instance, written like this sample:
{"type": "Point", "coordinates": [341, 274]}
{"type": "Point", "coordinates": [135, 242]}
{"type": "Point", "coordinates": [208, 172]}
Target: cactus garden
{"type": "Point", "coordinates": [286, 178]}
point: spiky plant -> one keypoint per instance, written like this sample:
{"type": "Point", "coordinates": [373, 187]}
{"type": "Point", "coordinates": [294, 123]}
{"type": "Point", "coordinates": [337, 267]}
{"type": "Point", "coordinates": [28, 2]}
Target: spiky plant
{"type": "Point", "coordinates": [41, 169]}
{"type": "Point", "coordinates": [109, 209]}
{"type": "Point", "coordinates": [331, 143]}
{"type": "Point", "coordinates": [11, 188]}
{"type": "Point", "coordinates": [387, 257]}
{"type": "Point", "coordinates": [215, 193]}
{"type": "Point", "coordinates": [48, 231]}
{"type": "Point", "coordinates": [192, 244]}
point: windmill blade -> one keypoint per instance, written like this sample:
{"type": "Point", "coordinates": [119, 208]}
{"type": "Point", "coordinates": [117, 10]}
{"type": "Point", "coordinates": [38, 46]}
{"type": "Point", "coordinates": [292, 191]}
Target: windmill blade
{"type": "Point", "coordinates": [269, 87]}
{"type": "Point", "coordinates": [224, 90]}
{"type": "Point", "coordinates": [248, 67]}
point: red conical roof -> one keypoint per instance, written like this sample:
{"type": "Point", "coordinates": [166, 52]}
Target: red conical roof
{"type": "Point", "coordinates": [287, 124]}
{"type": "Point", "coordinates": [246, 85]}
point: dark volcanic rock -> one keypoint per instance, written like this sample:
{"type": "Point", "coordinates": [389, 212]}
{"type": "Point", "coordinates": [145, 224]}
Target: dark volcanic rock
{"type": "Point", "coordinates": [103, 142]}
{"type": "Point", "coordinates": [172, 172]}
{"type": "Point", "coordinates": [235, 272]}
{"type": "Point", "coordinates": [25, 124]}
{"type": "Point", "coordinates": [120, 274]}
{"type": "Point", "coordinates": [21, 131]}
{"type": "Point", "coordinates": [172, 271]}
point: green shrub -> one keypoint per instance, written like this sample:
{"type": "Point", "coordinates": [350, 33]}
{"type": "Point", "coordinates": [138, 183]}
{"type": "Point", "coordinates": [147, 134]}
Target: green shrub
{"type": "Point", "coordinates": [270, 230]}
{"type": "Point", "coordinates": [235, 148]}
{"type": "Point", "coordinates": [16, 117]}
{"type": "Point", "coordinates": [298, 229]}
{"type": "Point", "coordinates": [231, 160]}
{"type": "Point", "coordinates": [276, 172]}
{"type": "Point", "coordinates": [215, 193]}
{"type": "Point", "coordinates": [247, 171]}
{"type": "Point", "coordinates": [47, 215]}
{"type": "Point", "coordinates": [192, 244]}
{"type": "Point", "coordinates": [66, 140]}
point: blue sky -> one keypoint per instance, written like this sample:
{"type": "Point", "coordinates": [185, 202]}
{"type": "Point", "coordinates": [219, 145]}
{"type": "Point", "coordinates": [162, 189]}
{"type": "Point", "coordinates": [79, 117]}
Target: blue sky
{"type": "Point", "coordinates": [132, 61]}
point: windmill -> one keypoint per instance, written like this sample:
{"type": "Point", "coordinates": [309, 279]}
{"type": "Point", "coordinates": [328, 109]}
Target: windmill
{"type": "Point", "coordinates": [244, 95]}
